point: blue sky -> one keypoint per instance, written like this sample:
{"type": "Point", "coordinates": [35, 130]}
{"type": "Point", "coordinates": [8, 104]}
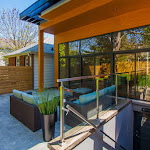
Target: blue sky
{"type": "Point", "coordinates": [18, 4]}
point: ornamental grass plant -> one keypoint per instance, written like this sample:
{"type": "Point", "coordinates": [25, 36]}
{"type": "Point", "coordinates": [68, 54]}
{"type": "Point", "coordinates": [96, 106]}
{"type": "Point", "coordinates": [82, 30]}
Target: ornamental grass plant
{"type": "Point", "coordinates": [46, 102]}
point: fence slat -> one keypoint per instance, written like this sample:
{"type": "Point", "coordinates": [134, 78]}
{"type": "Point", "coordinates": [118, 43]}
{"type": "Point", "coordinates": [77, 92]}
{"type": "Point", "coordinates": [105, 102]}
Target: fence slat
{"type": "Point", "coordinates": [15, 77]}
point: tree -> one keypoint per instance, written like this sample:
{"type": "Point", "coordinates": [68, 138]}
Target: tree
{"type": "Point", "coordinates": [15, 32]}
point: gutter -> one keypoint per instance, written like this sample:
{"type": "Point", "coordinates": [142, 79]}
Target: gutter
{"type": "Point", "coordinates": [26, 53]}
{"type": "Point", "coordinates": [15, 55]}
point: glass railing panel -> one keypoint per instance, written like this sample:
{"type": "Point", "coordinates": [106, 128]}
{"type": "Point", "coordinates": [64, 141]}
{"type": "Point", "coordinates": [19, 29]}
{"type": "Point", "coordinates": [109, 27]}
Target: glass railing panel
{"type": "Point", "coordinates": [132, 84]}
{"type": "Point", "coordinates": [107, 91]}
{"type": "Point", "coordinates": [89, 96]}
{"type": "Point", "coordinates": [123, 85]}
{"type": "Point", "coordinates": [80, 95]}
{"type": "Point", "coordinates": [141, 84]}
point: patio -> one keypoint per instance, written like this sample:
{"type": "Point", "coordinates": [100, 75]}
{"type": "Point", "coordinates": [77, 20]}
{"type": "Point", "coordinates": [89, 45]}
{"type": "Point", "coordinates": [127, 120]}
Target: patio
{"type": "Point", "coordinates": [14, 135]}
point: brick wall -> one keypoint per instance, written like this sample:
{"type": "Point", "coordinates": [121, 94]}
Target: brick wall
{"type": "Point", "coordinates": [12, 61]}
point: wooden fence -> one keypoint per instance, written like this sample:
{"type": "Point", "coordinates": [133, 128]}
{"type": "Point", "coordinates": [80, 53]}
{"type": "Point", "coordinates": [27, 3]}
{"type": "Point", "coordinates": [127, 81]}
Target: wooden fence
{"type": "Point", "coordinates": [15, 77]}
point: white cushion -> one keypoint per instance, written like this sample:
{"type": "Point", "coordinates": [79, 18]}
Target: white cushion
{"type": "Point", "coordinates": [17, 94]}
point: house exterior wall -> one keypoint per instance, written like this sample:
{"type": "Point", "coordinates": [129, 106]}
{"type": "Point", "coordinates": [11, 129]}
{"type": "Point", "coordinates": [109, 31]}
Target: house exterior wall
{"type": "Point", "coordinates": [22, 60]}
{"type": "Point", "coordinates": [48, 71]}
{"type": "Point", "coordinates": [12, 61]}
{"type": "Point", "coordinates": [117, 23]}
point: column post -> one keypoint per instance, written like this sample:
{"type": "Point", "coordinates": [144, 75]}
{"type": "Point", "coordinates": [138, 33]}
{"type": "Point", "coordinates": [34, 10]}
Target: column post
{"type": "Point", "coordinates": [41, 60]}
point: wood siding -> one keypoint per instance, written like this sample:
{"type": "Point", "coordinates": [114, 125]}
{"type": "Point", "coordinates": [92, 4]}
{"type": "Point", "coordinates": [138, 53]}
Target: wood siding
{"type": "Point", "coordinates": [15, 77]}
{"type": "Point", "coordinates": [22, 60]}
{"type": "Point", "coordinates": [12, 61]}
{"type": "Point", "coordinates": [48, 71]}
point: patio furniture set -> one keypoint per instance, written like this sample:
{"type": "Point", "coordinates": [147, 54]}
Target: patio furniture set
{"type": "Point", "coordinates": [23, 108]}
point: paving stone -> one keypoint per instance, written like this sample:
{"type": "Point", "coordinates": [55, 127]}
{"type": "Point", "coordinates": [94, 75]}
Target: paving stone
{"type": "Point", "coordinates": [14, 135]}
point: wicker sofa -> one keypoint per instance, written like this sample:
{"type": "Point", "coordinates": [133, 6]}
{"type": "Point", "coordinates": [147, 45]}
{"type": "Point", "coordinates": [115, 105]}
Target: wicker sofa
{"type": "Point", "coordinates": [86, 105]}
{"type": "Point", "coordinates": [26, 113]}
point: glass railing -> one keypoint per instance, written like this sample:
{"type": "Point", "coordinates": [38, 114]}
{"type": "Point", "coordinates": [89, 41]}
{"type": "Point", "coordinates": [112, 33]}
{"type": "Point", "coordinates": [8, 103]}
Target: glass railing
{"type": "Point", "coordinates": [139, 82]}
{"type": "Point", "coordinates": [89, 96]}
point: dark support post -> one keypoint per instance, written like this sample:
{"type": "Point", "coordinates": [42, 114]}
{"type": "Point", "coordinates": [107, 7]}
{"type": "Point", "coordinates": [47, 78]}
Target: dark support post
{"type": "Point", "coordinates": [128, 86]}
{"type": "Point", "coordinates": [135, 79]}
{"type": "Point", "coordinates": [112, 56]}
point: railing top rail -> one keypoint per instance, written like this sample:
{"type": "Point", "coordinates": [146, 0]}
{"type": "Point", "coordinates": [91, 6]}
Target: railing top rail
{"type": "Point", "coordinates": [88, 77]}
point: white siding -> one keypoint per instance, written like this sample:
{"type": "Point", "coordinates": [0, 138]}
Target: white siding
{"type": "Point", "coordinates": [48, 71]}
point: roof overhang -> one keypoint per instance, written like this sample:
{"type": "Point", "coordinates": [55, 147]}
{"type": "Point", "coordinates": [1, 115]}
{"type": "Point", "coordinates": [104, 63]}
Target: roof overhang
{"type": "Point", "coordinates": [25, 53]}
{"type": "Point", "coordinates": [58, 16]}
{"type": "Point", "coordinates": [76, 13]}
{"type": "Point", "coordinates": [31, 14]}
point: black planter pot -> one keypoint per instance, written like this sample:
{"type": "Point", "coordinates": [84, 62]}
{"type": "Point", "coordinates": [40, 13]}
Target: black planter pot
{"type": "Point", "coordinates": [48, 126]}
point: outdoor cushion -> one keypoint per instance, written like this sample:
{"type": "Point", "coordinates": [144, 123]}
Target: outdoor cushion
{"type": "Point", "coordinates": [76, 101]}
{"type": "Point", "coordinates": [28, 98]}
{"type": "Point", "coordinates": [112, 88]}
{"type": "Point", "coordinates": [109, 89]}
{"type": "Point", "coordinates": [83, 99]}
{"type": "Point", "coordinates": [102, 92]}
{"type": "Point", "coordinates": [17, 94]}
{"type": "Point", "coordinates": [82, 90]}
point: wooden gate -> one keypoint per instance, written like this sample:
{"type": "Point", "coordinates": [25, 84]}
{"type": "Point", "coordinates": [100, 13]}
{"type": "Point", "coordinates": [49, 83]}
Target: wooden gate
{"type": "Point", "coordinates": [15, 77]}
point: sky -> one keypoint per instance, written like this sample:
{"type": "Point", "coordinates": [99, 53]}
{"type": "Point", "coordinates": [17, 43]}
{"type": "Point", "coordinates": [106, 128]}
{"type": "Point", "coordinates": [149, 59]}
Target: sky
{"type": "Point", "coordinates": [18, 4]}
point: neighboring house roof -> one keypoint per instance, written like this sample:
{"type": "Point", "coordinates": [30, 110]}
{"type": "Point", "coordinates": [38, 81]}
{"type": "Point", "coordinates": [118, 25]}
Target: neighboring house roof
{"type": "Point", "coordinates": [33, 48]}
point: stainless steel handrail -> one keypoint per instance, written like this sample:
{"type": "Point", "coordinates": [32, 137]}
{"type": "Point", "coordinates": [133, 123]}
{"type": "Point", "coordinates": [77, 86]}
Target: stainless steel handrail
{"type": "Point", "coordinates": [90, 123]}
{"type": "Point", "coordinates": [97, 91]}
{"type": "Point", "coordinates": [88, 77]}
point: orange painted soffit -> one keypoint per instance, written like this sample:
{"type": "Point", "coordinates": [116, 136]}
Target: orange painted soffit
{"type": "Point", "coordinates": [70, 12]}
{"type": "Point", "coordinates": [91, 12]}
{"type": "Point", "coordinates": [64, 9]}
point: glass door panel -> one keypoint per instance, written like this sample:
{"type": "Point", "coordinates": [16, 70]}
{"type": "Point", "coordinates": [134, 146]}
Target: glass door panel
{"type": "Point", "coordinates": [102, 64]}
{"type": "Point", "coordinates": [142, 76]}
{"type": "Point", "coordinates": [126, 63]}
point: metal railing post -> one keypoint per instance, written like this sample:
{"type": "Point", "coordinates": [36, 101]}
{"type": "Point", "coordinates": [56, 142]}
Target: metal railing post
{"type": "Point", "coordinates": [128, 86]}
{"type": "Point", "coordinates": [116, 89]}
{"type": "Point", "coordinates": [61, 114]}
{"type": "Point", "coordinates": [97, 91]}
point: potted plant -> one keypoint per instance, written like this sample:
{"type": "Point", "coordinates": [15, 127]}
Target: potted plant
{"type": "Point", "coordinates": [47, 105]}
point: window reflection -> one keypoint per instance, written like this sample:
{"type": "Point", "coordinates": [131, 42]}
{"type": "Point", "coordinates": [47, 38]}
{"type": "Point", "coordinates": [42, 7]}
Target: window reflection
{"type": "Point", "coordinates": [102, 65]}
{"type": "Point", "coordinates": [88, 66]}
{"type": "Point", "coordinates": [132, 39]}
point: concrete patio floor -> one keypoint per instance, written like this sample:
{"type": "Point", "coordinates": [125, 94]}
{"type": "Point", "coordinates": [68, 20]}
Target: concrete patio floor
{"type": "Point", "coordinates": [14, 135]}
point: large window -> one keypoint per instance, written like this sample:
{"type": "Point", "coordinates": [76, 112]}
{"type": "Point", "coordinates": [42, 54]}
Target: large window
{"type": "Point", "coordinates": [88, 66]}
{"type": "Point", "coordinates": [132, 39]}
{"type": "Point", "coordinates": [102, 64]}
{"type": "Point", "coordinates": [122, 51]}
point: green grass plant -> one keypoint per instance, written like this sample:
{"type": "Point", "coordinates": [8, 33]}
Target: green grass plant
{"type": "Point", "coordinates": [45, 104]}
